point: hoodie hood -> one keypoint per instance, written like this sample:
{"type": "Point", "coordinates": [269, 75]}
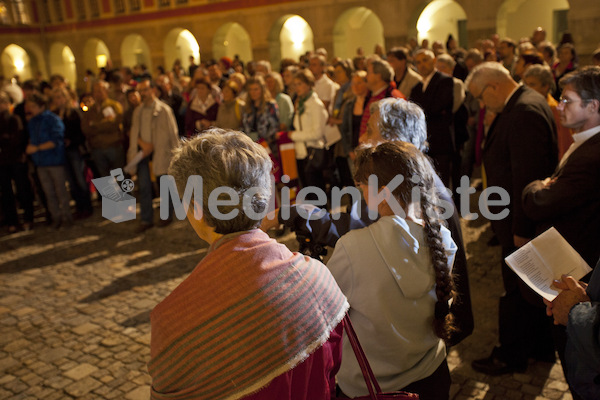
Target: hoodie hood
{"type": "Point", "coordinates": [406, 254]}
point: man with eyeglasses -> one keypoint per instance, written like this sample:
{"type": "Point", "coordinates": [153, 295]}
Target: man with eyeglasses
{"type": "Point", "coordinates": [569, 199]}
{"type": "Point", "coordinates": [520, 147]}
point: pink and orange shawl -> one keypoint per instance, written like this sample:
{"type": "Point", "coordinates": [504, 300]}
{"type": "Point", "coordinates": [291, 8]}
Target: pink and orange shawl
{"type": "Point", "coordinates": [250, 311]}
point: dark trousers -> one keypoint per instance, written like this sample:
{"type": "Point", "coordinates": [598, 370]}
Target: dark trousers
{"type": "Point", "coordinates": [435, 387]}
{"type": "Point", "coordinates": [146, 192]}
{"type": "Point", "coordinates": [524, 328]}
{"type": "Point", "coordinates": [310, 179]}
{"type": "Point", "coordinates": [344, 171]}
{"type": "Point", "coordinates": [17, 173]}
{"type": "Point", "coordinates": [80, 190]}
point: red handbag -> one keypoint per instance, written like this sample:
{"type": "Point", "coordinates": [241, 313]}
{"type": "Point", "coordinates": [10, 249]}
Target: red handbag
{"type": "Point", "coordinates": [375, 392]}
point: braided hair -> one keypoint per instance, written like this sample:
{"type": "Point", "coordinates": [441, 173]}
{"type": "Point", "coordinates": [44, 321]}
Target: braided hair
{"type": "Point", "coordinates": [386, 161]}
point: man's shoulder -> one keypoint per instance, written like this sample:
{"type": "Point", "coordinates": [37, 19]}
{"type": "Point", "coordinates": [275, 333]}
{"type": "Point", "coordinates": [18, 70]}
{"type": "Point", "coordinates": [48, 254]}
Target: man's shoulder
{"type": "Point", "coordinates": [528, 101]}
{"type": "Point", "coordinates": [442, 79]}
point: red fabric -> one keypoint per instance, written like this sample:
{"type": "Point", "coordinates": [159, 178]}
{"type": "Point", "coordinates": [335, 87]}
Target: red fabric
{"type": "Point", "coordinates": [479, 137]}
{"type": "Point", "coordinates": [313, 379]}
{"type": "Point", "coordinates": [390, 91]}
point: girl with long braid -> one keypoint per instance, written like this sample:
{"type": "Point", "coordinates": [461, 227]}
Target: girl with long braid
{"type": "Point", "coordinates": [396, 274]}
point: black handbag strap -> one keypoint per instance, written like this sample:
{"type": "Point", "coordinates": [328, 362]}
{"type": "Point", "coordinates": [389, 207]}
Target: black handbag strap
{"type": "Point", "coordinates": [365, 367]}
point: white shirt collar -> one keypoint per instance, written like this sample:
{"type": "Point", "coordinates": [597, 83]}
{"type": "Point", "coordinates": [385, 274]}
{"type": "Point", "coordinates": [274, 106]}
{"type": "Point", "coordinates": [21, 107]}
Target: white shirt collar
{"type": "Point", "coordinates": [585, 135]}
{"type": "Point", "coordinates": [427, 79]}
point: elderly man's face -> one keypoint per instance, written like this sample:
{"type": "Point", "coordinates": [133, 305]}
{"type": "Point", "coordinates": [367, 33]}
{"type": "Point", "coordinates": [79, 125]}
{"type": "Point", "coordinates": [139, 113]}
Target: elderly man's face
{"type": "Point", "coordinates": [488, 95]}
{"type": "Point", "coordinates": [424, 64]}
{"type": "Point", "coordinates": [373, 135]}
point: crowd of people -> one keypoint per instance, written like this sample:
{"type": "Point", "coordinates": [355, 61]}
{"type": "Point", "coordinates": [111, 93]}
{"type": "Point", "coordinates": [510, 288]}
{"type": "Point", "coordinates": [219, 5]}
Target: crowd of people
{"type": "Point", "coordinates": [525, 113]}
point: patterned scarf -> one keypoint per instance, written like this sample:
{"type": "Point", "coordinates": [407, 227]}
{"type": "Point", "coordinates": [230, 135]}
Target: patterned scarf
{"type": "Point", "coordinates": [250, 311]}
{"type": "Point", "coordinates": [302, 100]}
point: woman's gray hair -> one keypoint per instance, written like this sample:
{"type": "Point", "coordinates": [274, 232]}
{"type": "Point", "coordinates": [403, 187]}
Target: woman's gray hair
{"type": "Point", "coordinates": [401, 120]}
{"type": "Point", "coordinates": [543, 73]}
{"type": "Point", "coordinates": [226, 159]}
{"type": "Point", "coordinates": [382, 68]}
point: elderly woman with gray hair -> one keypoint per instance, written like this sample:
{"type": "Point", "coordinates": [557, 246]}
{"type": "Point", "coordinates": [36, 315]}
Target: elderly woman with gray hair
{"type": "Point", "coordinates": [253, 320]}
{"type": "Point", "coordinates": [540, 78]}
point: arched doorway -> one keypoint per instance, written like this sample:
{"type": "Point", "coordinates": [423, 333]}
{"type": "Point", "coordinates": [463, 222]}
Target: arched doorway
{"type": "Point", "coordinates": [290, 37]}
{"type": "Point", "coordinates": [441, 18]}
{"type": "Point", "coordinates": [357, 27]}
{"type": "Point", "coordinates": [16, 61]}
{"type": "Point", "coordinates": [231, 39]}
{"type": "Point", "coordinates": [62, 61]}
{"type": "Point", "coordinates": [95, 55]}
{"type": "Point", "coordinates": [519, 18]}
{"type": "Point", "coordinates": [180, 44]}
{"type": "Point", "coordinates": [135, 51]}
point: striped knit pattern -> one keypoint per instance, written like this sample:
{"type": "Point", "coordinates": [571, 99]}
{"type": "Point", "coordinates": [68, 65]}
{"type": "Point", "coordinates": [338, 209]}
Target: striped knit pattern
{"type": "Point", "coordinates": [250, 311]}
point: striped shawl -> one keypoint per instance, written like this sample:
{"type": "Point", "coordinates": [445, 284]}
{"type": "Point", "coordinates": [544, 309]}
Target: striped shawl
{"type": "Point", "coordinates": [250, 311]}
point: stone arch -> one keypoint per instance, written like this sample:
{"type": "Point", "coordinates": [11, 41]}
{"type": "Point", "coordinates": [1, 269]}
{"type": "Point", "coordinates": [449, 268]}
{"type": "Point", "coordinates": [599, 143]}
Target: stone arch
{"type": "Point", "coordinates": [518, 18]}
{"type": "Point", "coordinates": [16, 61]}
{"type": "Point", "coordinates": [62, 61]}
{"type": "Point", "coordinates": [134, 51]}
{"type": "Point", "coordinates": [441, 18]}
{"type": "Point", "coordinates": [180, 44]}
{"type": "Point", "coordinates": [231, 39]}
{"type": "Point", "coordinates": [357, 27]}
{"type": "Point", "coordinates": [95, 55]}
{"type": "Point", "coordinates": [290, 37]}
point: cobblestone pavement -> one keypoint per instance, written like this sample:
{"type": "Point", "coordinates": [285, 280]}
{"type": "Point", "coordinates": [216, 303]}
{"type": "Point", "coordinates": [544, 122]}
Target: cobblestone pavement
{"type": "Point", "coordinates": [75, 304]}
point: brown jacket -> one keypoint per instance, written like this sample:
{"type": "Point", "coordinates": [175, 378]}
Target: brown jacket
{"type": "Point", "coordinates": [101, 125]}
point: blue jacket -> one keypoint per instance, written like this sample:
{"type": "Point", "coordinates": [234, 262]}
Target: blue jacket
{"type": "Point", "coordinates": [46, 127]}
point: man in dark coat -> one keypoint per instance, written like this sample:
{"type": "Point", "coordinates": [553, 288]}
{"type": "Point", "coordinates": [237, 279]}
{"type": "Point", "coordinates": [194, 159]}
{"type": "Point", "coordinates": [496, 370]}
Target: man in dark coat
{"type": "Point", "coordinates": [520, 147]}
{"type": "Point", "coordinates": [569, 199]}
{"type": "Point", "coordinates": [435, 95]}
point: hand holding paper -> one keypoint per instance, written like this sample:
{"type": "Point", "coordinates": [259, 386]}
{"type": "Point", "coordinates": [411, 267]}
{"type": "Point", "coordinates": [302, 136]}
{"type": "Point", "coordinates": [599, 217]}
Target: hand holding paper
{"type": "Point", "coordinates": [572, 293]}
{"type": "Point", "coordinates": [544, 259]}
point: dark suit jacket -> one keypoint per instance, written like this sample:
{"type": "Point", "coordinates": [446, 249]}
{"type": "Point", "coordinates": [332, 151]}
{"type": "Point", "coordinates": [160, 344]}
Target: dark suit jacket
{"type": "Point", "coordinates": [572, 203]}
{"type": "Point", "coordinates": [520, 147]}
{"type": "Point", "coordinates": [437, 101]}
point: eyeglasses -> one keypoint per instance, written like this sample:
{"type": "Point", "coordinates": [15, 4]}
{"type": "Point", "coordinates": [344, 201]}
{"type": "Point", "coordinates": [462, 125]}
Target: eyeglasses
{"type": "Point", "coordinates": [564, 102]}
{"type": "Point", "coordinates": [482, 92]}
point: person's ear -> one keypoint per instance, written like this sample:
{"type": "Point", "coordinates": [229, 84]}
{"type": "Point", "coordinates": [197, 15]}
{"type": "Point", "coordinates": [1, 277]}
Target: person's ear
{"type": "Point", "coordinates": [595, 105]}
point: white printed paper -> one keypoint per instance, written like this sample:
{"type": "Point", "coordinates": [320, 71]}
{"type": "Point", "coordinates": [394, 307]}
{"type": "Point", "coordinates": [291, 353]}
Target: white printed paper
{"type": "Point", "coordinates": [545, 259]}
